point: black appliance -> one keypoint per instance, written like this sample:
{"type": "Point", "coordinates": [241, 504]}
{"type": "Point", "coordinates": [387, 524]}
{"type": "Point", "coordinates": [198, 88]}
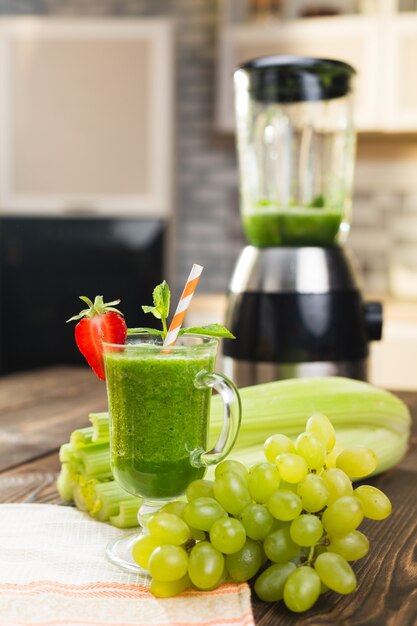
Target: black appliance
{"type": "Point", "coordinates": [46, 263]}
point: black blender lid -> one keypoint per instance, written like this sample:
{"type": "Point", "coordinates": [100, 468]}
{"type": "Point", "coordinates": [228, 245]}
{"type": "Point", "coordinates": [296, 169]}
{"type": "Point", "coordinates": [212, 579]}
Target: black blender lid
{"type": "Point", "coordinates": [297, 79]}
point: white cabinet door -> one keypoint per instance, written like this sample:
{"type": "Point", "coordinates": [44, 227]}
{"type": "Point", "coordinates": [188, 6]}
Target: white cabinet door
{"type": "Point", "coordinates": [86, 116]}
{"type": "Point", "coordinates": [354, 39]}
{"type": "Point", "coordinates": [400, 70]}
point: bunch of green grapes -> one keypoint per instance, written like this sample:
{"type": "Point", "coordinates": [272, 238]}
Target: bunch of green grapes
{"type": "Point", "coordinates": [294, 517]}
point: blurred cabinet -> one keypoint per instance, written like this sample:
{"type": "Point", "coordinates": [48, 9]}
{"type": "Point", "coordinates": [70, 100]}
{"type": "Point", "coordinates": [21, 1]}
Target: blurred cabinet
{"type": "Point", "coordinates": [382, 49]}
{"type": "Point", "coordinates": [86, 116]}
{"type": "Point", "coordinates": [400, 44]}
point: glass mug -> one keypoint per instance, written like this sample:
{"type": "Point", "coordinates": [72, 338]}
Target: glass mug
{"type": "Point", "coordinates": [159, 405]}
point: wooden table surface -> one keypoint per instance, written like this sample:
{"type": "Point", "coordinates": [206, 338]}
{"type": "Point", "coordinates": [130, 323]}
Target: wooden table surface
{"type": "Point", "coordinates": [38, 411]}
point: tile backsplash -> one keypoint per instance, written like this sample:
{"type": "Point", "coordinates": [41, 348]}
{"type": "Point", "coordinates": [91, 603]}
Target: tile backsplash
{"type": "Point", "coordinates": [369, 237]}
{"type": "Point", "coordinates": [384, 225]}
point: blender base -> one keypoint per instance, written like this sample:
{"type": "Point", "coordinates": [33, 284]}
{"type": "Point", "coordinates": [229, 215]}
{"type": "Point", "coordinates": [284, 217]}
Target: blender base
{"type": "Point", "coordinates": [245, 373]}
{"type": "Point", "coordinates": [298, 313]}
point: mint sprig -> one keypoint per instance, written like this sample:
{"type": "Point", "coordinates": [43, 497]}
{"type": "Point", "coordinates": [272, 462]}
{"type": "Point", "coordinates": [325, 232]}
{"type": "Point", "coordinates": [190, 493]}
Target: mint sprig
{"type": "Point", "coordinates": [161, 303]}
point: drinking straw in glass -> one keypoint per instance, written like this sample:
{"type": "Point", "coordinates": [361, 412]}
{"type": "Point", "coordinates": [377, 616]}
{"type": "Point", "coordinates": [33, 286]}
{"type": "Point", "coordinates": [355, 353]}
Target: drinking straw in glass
{"type": "Point", "coordinates": [183, 304]}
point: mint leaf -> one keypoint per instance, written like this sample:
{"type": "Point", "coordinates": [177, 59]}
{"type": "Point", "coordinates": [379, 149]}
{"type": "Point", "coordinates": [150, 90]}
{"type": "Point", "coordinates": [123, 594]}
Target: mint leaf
{"type": "Point", "coordinates": [148, 331]}
{"type": "Point", "coordinates": [212, 330]}
{"type": "Point", "coordinates": [161, 301]}
{"type": "Point", "coordinates": [151, 309]}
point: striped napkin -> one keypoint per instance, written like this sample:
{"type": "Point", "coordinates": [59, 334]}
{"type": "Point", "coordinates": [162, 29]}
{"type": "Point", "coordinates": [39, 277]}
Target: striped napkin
{"type": "Point", "coordinates": [53, 573]}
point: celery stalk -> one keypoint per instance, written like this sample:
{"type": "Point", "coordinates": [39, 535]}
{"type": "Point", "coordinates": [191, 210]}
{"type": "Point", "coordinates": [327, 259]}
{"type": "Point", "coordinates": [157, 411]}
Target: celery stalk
{"type": "Point", "coordinates": [79, 498]}
{"type": "Point", "coordinates": [81, 437]}
{"type": "Point", "coordinates": [84, 494]}
{"type": "Point", "coordinates": [128, 514]}
{"type": "Point", "coordinates": [101, 426]}
{"type": "Point", "coordinates": [107, 498]}
{"type": "Point", "coordinates": [65, 453]}
{"type": "Point", "coordinates": [95, 459]}
{"type": "Point", "coordinates": [357, 410]}
{"type": "Point", "coordinates": [64, 484]}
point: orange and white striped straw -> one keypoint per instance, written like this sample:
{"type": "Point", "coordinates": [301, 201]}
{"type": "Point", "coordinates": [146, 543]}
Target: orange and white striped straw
{"type": "Point", "coordinates": [183, 304]}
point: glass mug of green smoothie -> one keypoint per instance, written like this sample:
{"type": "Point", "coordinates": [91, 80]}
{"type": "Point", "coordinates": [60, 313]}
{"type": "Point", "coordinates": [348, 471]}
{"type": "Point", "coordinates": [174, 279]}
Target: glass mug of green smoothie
{"type": "Point", "coordinates": [159, 405]}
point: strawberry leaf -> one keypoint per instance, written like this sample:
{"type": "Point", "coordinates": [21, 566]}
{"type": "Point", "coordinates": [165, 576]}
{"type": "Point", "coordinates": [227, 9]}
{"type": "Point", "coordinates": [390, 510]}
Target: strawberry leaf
{"type": "Point", "coordinates": [212, 330]}
{"type": "Point", "coordinates": [98, 307]}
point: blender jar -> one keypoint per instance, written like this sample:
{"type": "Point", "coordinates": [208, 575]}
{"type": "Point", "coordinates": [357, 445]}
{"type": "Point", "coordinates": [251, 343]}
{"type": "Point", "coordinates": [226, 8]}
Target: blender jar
{"type": "Point", "coordinates": [296, 148]}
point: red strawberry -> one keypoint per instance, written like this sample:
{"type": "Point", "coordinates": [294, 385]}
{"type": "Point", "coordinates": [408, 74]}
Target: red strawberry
{"type": "Point", "coordinates": [100, 322]}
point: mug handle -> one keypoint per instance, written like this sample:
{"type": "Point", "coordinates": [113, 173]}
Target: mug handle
{"type": "Point", "coordinates": [232, 415]}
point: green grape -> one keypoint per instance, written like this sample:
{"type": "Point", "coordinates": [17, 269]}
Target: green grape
{"type": "Point", "coordinates": [278, 524]}
{"type": "Point", "coordinates": [236, 467]}
{"type": "Point", "coordinates": [288, 486]}
{"type": "Point", "coordinates": [323, 588]}
{"type": "Point", "coordinates": [375, 504]}
{"type": "Point", "coordinates": [161, 589]}
{"type": "Point", "coordinates": [335, 572]}
{"type": "Point", "coordinates": [143, 548]}
{"type": "Point", "coordinates": [284, 505]}
{"type": "Point", "coordinates": [198, 535]}
{"type": "Point", "coordinates": [277, 444]}
{"type": "Point", "coordinates": [351, 547]}
{"type": "Point", "coordinates": [175, 506]}
{"type": "Point", "coordinates": [343, 516]}
{"type": "Point", "coordinates": [168, 528]}
{"type": "Point", "coordinates": [291, 467]}
{"type": "Point", "coordinates": [199, 489]}
{"type": "Point", "coordinates": [302, 589]}
{"type": "Point", "coordinates": [337, 483]}
{"type": "Point", "coordinates": [263, 481]}
{"type": "Point", "coordinates": [201, 513]}
{"type": "Point", "coordinates": [168, 563]}
{"type": "Point", "coordinates": [232, 492]}
{"type": "Point", "coordinates": [306, 530]}
{"type": "Point", "coordinates": [321, 426]}
{"type": "Point", "coordinates": [228, 535]}
{"type": "Point", "coordinates": [245, 563]}
{"type": "Point", "coordinates": [312, 449]}
{"type": "Point", "coordinates": [331, 457]}
{"type": "Point", "coordinates": [279, 547]}
{"type": "Point", "coordinates": [319, 549]}
{"type": "Point", "coordinates": [313, 493]}
{"type": "Point", "coordinates": [357, 461]}
{"type": "Point", "coordinates": [206, 565]}
{"type": "Point", "coordinates": [257, 521]}
{"type": "Point", "coordinates": [269, 586]}
{"type": "Point", "coordinates": [264, 558]}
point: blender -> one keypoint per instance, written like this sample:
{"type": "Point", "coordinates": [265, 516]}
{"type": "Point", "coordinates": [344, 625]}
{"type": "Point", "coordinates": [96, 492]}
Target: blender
{"type": "Point", "coordinates": [295, 302]}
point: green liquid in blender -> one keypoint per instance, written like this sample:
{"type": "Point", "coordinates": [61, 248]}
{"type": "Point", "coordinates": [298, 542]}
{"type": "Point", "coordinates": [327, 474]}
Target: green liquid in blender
{"type": "Point", "coordinates": [267, 226]}
{"type": "Point", "coordinates": [158, 417]}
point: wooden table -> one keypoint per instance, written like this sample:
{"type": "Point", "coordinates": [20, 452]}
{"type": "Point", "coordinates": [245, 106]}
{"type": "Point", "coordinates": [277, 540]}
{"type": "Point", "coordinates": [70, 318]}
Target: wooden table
{"type": "Point", "coordinates": [38, 411]}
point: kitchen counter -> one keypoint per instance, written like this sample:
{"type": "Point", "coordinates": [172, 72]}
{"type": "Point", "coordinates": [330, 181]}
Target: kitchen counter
{"type": "Point", "coordinates": [393, 360]}
{"type": "Point", "coordinates": [38, 411]}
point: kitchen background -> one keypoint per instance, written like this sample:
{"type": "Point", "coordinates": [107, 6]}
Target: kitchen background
{"type": "Point", "coordinates": [203, 216]}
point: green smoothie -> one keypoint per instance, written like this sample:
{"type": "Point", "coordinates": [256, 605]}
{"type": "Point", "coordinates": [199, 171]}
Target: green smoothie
{"type": "Point", "coordinates": [294, 226]}
{"type": "Point", "coordinates": [158, 416]}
